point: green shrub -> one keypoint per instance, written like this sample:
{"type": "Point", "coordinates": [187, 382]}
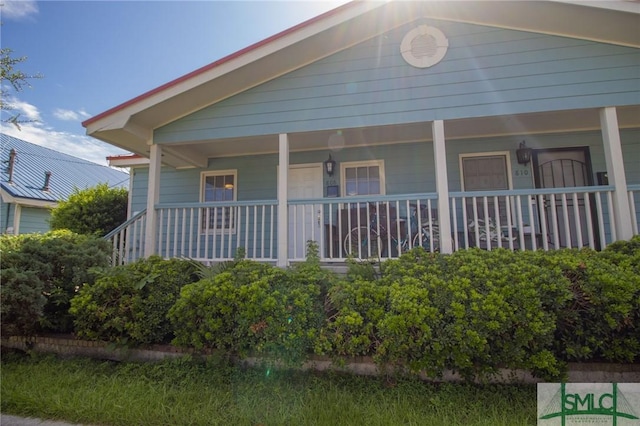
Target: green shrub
{"type": "Point", "coordinates": [128, 304]}
{"type": "Point", "coordinates": [93, 211]}
{"type": "Point", "coordinates": [600, 322]}
{"type": "Point", "coordinates": [53, 265]}
{"type": "Point", "coordinates": [253, 308]}
{"type": "Point", "coordinates": [21, 302]}
{"type": "Point", "coordinates": [472, 312]}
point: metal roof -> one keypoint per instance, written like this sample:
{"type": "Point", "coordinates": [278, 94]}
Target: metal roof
{"type": "Point", "coordinates": [67, 172]}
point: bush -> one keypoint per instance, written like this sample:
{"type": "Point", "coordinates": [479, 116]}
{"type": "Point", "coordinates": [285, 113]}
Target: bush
{"type": "Point", "coordinates": [128, 304]}
{"type": "Point", "coordinates": [94, 211]}
{"type": "Point", "coordinates": [253, 308]}
{"type": "Point", "coordinates": [601, 320]}
{"type": "Point", "coordinates": [52, 266]}
{"type": "Point", "coordinates": [472, 312]}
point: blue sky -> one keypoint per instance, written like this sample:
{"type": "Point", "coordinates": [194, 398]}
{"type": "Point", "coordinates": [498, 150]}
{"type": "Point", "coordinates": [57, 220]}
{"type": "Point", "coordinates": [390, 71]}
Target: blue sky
{"type": "Point", "coordinates": [94, 55]}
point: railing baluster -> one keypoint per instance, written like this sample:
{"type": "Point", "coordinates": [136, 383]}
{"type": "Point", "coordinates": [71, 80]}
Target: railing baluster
{"type": "Point", "coordinates": [612, 218]}
{"type": "Point", "coordinates": [576, 218]}
{"type": "Point", "coordinates": [603, 241]}
{"type": "Point", "coordinates": [632, 207]}
{"type": "Point", "coordinates": [565, 219]}
{"type": "Point", "coordinates": [590, 235]}
{"type": "Point", "coordinates": [554, 222]}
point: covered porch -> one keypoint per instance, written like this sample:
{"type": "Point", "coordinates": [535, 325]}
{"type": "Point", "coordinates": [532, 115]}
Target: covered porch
{"type": "Point", "coordinates": [556, 199]}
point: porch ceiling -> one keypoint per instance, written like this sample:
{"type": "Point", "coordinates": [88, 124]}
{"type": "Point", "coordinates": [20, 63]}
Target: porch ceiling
{"type": "Point", "coordinates": [481, 127]}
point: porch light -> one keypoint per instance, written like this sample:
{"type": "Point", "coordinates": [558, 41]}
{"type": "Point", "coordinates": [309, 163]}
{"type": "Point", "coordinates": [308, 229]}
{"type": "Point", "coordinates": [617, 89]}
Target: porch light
{"type": "Point", "coordinates": [523, 153]}
{"type": "Point", "coordinates": [330, 165]}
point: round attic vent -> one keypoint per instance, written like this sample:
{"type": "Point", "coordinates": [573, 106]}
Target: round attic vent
{"type": "Point", "coordinates": [424, 46]}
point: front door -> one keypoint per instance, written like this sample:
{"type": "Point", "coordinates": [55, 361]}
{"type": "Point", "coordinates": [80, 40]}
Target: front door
{"type": "Point", "coordinates": [305, 182]}
{"type": "Point", "coordinates": [562, 168]}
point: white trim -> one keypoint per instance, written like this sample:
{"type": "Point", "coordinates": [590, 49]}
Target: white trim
{"type": "Point", "coordinates": [203, 176]}
{"type": "Point", "coordinates": [17, 216]}
{"type": "Point", "coordinates": [506, 154]}
{"type": "Point", "coordinates": [352, 164]}
{"type": "Point", "coordinates": [26, 202]}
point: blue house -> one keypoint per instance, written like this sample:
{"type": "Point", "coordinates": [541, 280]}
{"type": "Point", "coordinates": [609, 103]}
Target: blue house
{"type": "Point", "coordinates": [380, 126]}
{"type": "Point", "coordinates": [35, 178]}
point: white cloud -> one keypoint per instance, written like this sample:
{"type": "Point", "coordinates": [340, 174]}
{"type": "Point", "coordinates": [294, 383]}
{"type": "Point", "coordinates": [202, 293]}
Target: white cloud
{"type": "Point", "coordinates": [69, 115]}
{"type": "Point", "coordinates": [26, 110]}
{"type": "Point", "coordinates": [80, 146]}
{"type": "Point", "coordinates": [18, 9]}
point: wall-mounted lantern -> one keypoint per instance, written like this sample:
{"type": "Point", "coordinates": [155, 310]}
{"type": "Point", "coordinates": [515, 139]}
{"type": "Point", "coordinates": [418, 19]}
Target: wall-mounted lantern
{"type": "Point", "coordinates": [523, 153]}
{"type": "Point", "coordinates": [330, 166]}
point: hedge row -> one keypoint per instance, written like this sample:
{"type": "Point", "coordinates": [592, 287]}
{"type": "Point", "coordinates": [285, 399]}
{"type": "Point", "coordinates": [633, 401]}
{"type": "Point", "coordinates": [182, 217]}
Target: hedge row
{"type": "Point", "coordinates": [472, 312]}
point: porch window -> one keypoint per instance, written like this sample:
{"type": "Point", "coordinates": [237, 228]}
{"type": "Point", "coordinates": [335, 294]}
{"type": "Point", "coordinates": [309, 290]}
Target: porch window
{"type": "Point", "coordinates": [362, 178]}
{"type": "Point", "coordinates": [218, 187]}
{"type": "Point", "coordinates": [486, 172]}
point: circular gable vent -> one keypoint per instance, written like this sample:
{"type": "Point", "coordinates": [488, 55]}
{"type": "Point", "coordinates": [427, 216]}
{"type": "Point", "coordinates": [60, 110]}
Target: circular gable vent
{"type": "Point", "coordinates": [424, 46]}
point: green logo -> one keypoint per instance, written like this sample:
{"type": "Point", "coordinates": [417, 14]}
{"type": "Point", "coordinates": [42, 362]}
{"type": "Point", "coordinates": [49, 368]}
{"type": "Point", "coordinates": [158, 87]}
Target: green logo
{"type": "Point", "coordinates": [587, 403]}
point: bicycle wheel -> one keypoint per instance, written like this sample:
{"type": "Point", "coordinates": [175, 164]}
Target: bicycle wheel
{"type": "Point", "coordinates": [362, 243]}
{"type": "Point", "coordinates": [425, 241]}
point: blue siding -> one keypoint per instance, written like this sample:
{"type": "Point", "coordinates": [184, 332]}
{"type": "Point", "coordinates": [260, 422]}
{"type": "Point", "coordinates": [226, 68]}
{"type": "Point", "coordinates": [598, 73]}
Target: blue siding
{"type": "Point", "coordinates": [7, 211]}
{"type": "Point", "coordinates": [34, 219]}
{"type": "Point", "coordinates": [409, 167]}
{"type": "Point", "coordinates": [485, 72]}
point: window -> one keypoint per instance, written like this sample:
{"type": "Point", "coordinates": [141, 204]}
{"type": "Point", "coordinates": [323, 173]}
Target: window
{"type": "Point", "coordinates": [362, 178]}
{"type": "Point", "coordinates": [218, 187]}
{"type": "Point", "coordinates": [486, 172]}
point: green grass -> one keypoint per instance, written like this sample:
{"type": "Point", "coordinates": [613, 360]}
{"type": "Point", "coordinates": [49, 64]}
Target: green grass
{"type": "Point", "coordinates": [186, 392]}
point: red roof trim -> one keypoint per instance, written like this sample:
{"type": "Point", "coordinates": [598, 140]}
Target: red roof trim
{"type": "Point", "coordinates": [217, 63]}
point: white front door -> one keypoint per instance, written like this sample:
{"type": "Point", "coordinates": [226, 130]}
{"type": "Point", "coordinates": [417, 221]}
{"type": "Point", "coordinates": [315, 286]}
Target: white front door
{"type": "Point", "coordinates": [305, 221]}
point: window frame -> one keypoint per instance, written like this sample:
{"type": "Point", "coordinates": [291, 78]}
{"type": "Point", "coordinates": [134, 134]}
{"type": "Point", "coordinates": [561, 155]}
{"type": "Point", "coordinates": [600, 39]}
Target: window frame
{"type": "Point", "coordinates": [203, 179]}
{"type": "Point", "coordinates": [505, 154]}
{"type": "Point", "coordinates": [367, 163]}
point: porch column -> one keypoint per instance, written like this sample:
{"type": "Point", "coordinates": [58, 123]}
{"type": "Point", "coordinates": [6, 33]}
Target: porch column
{"type": "Point", "coordinates": [615, 172]}
{"type": "Point", "coordinates": [442, 186]}
{"type": "Point", "coordinates": [153, 191]}
{"type": "Point", "coordinates": [283, 219]}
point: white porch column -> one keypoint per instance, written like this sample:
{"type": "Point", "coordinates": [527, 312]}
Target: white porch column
{"type": "Point", "coordinates": [283, 216]}
{"type": "Point", "coordinates": [442, 186]}
{"type": "Point", "coordinates": [615, 172]}
{"type": "Point", "coordinates": [153, 191]}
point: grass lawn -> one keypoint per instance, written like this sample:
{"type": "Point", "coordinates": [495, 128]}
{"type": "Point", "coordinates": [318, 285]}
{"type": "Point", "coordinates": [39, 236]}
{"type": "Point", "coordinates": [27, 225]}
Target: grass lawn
{"type": "Point", "coordinates": [186, 392]}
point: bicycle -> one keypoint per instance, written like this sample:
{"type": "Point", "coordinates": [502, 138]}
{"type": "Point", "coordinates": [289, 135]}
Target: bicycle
{"type": "Point", "coordinates": [375, 239]}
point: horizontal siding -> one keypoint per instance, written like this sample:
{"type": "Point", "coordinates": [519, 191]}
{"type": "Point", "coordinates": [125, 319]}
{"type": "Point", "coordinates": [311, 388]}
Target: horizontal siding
{"type": "Point", "coordinates": [485, 72]}
{"type": "Point", "coordinates": [34, 219]}
{"type": "Point", "coordinates": [409, 168]}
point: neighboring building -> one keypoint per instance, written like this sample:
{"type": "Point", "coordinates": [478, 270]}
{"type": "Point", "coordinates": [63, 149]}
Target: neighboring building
{"type": "Point", "coordinates": [34, 179]}
{"type": "Point", "coordinates": [506, 124]}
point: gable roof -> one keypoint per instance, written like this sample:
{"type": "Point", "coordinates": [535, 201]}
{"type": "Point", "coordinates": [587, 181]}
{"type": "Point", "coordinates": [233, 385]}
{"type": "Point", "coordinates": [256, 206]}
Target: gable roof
{"type": "Point", "coordinates": [130, 125]}
{"type": "Point", "coordinates": [67, 173]}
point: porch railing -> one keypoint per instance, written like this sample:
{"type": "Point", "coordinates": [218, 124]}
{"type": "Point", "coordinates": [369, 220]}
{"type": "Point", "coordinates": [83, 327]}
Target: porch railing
{"type": "Point", "coordinates": [534, 218]}
{"type": "Point", "coordinates": [213, 232]}
{"type": "Point", "coordinates": [363, 227]}
{"type": "Point", "coordinates": [380, 226]}
{"type": "Point", "coordinates": [634, 205]}
{"type": "Point", "coordinates": [127, 240]}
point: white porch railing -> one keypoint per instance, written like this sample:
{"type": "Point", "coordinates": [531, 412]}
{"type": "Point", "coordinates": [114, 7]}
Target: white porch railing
{"type": "Point", "coordinates": [634, 205]}
{"type": "Point", "coordinates": [533, 219]}
{"type": "Point", "coordinates": [213, 232]}
{"type": "Point", "coordinates": [127, 239]}
{"type": "Point", "coordinates": [379, 227]}
{"type": "Point", "coordinates": [364, 227]}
